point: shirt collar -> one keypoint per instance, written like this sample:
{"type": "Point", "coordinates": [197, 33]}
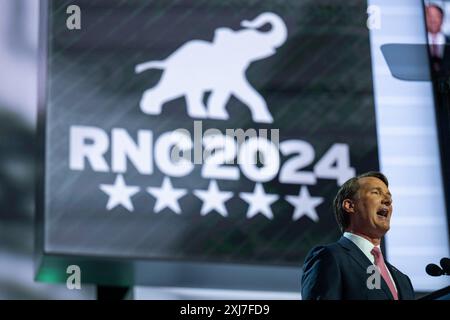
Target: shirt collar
{"type": "Point", "coordinates": [438, 38]}
{"type": "Point", "coordinates": [362, 243]}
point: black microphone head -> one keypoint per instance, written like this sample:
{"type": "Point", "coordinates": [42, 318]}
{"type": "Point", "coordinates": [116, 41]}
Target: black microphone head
{"type": "Point", "coordinates": [434, 270]}
{"type": "Point", "coordinates": [445, 264]}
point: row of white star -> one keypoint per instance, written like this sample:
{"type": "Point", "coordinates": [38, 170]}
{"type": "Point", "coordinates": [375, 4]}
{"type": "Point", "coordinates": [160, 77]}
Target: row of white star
{"type": "Point", "coordinates": [213, 199]}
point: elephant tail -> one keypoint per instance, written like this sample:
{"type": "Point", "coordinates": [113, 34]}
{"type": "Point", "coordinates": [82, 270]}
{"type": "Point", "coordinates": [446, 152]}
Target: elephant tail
{"type": "Point", "coordinates": [149, 65]}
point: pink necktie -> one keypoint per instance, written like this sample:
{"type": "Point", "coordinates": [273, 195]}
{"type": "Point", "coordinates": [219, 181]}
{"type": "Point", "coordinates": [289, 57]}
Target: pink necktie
{"type": "Point", "coordinates": [379, 262]}
{"type": "Point", "coordinates": [434, 51]}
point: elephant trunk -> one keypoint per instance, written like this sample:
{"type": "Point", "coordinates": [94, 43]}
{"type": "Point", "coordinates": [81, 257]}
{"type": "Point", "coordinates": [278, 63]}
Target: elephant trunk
{"type": "Point", "coordinates": [278, 32]}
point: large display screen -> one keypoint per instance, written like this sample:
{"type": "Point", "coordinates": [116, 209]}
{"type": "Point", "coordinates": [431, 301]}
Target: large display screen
{"type": "Point", "coordinates": [208, 131]}
{"type": "Point", "coordinates": [437, 29]}
{"type": "Point", "coordinates": [408, 135]}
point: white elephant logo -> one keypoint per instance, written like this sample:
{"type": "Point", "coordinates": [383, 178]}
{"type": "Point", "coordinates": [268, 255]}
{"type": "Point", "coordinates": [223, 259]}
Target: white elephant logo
{"type": "Point", "coordinates": [218, 67]}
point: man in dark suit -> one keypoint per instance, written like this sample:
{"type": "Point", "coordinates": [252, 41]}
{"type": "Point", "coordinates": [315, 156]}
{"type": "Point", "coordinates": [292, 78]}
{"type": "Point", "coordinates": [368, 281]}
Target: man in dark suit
{"type": "Point", "coordinates": [354, 267]}
{"type": "Point", "coordinates": [437, 41]}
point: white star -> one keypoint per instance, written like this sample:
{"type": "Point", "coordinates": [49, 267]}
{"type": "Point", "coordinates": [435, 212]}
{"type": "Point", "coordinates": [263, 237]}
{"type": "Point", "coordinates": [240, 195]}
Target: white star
{"type": "Point", "coordinates": [119, 193]}
{"type": "Point", "coordinates": [167, 196]}
{"type": "Point", "coordinates": [259, 201]}
{"type": "Point", "coordinates": [304, 204]}
{"type": "Point", "coordinates": [213, 199]}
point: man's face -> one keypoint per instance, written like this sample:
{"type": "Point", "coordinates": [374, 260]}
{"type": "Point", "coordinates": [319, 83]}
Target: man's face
{"type": "Point", "coordinates": [434, 19]}
{"type": "Point", "coordinates": [372, 208]}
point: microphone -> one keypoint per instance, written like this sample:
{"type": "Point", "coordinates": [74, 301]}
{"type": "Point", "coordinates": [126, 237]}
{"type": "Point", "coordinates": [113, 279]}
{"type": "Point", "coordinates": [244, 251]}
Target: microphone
{"type": "Point", "coordinates": [434, 270]}
{"type": "Point", "coordinates": [445, 265]}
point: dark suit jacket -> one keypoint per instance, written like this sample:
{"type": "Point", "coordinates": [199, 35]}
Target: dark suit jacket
{"type": "Point", "coordinates": [338, 271]}
{"type": "Point", "coordinates": [441, 65]}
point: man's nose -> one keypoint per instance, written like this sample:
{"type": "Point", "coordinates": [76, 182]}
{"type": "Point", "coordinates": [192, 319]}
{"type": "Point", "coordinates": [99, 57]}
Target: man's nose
{"type": "Point", "coordinates": [387, 200]}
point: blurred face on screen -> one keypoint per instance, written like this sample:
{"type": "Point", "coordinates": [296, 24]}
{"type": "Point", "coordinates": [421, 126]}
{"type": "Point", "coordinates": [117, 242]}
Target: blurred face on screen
{"type": "Point", "coordinates": [434, 19]}
{"type": "Point", "coordinates": [371, 210]}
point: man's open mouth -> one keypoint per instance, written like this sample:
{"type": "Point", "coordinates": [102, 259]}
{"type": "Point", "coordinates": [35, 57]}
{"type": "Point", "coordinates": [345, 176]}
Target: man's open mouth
{"type": "Point", "coordinates": [383, 212]}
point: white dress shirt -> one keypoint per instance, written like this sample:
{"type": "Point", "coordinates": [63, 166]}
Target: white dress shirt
{"type": "Point", "coordinates": [366, 247]}
{"type": "Point", "coordinates": [439, 40]}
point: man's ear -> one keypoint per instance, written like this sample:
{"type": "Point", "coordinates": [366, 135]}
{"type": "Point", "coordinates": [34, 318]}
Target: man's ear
{"type": "Point", "coordinates": [348, 206]}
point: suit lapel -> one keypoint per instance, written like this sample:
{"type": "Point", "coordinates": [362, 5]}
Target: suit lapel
{"type": "Point", "coordinates": [356, 253]}
{"type": "Point", "coordinates": [353, 250]}
{"type": "Point", "coordinates": [396, 279]}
